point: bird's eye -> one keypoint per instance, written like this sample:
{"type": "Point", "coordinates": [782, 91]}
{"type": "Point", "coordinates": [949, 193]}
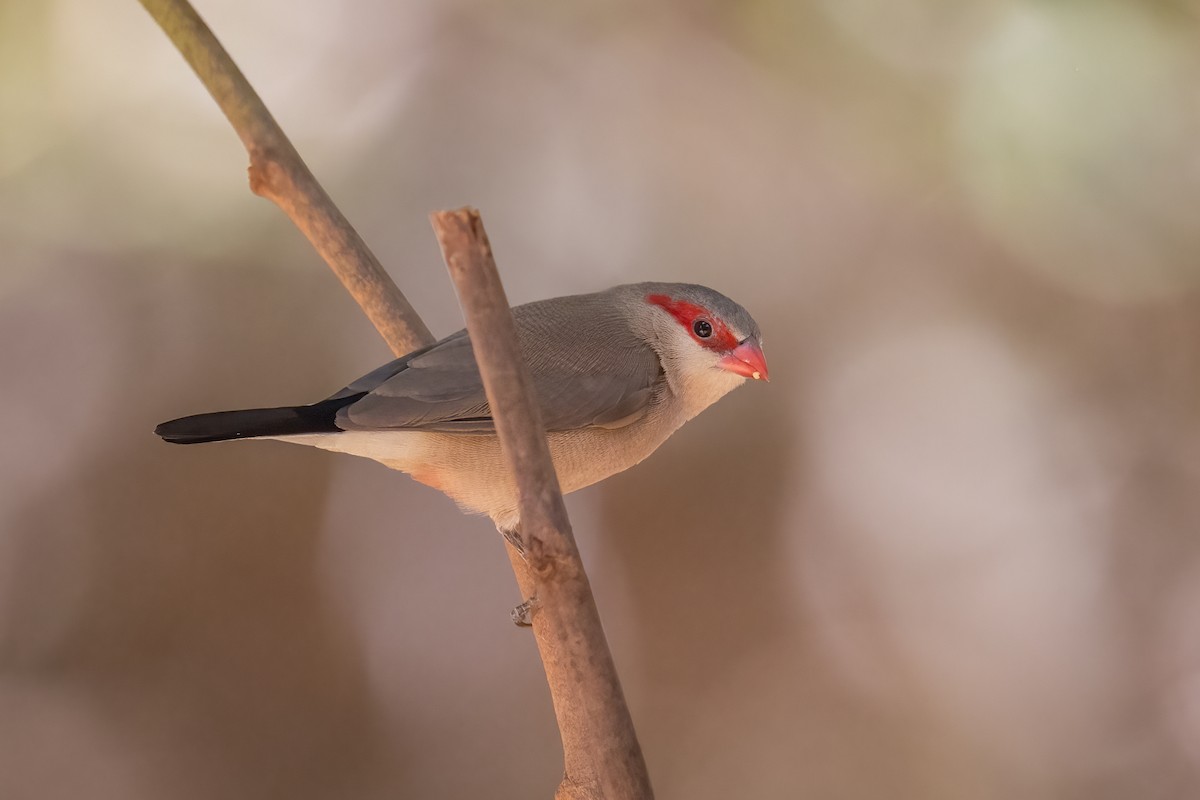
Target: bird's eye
{"type": "Point", "coordinates": [703, 328]}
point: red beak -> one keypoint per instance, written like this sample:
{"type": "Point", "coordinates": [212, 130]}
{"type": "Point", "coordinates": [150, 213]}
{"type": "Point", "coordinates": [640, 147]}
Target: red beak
{"type": "Point", "coordinates": [747, 360]}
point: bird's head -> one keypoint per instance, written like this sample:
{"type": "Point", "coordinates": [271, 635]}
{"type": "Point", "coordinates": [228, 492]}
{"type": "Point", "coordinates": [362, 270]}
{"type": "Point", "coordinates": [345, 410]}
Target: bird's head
{"type": "Point", "coordinates": [708, 343]}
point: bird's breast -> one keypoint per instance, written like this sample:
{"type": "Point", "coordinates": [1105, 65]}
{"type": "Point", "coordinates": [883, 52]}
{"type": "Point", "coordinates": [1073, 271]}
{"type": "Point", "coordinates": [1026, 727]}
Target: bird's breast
{"type": "Point", "coordinates": [471, 469]}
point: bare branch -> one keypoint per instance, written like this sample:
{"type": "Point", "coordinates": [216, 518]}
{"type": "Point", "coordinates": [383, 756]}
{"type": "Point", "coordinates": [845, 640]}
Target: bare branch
{"type": "Point", "coordinates": [279, 174]}
{"type": "Point", "coordinates": [602, 757]}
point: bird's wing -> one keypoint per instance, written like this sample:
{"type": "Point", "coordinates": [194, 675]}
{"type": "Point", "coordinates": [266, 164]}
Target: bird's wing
{"type": "Point", "coordinates": [588, 369]}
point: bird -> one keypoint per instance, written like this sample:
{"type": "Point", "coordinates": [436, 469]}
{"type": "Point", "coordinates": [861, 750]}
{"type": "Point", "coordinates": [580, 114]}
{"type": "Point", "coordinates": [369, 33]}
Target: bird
{"type": "Point", "coordinates": [615, 374]}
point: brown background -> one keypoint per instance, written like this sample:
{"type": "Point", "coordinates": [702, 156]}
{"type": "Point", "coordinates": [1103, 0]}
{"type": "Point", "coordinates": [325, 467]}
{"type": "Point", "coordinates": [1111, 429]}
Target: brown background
{"type": "Point", "coordinates": [950, 551]}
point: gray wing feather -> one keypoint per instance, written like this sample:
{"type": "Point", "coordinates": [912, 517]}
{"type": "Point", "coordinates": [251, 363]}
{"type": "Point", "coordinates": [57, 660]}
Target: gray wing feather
{"type": "Point", "coordinates": [595, 373]}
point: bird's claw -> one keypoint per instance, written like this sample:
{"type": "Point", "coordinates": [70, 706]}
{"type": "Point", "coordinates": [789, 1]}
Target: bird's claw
{"type": "Point", "coordinates": [513, 537]}
{"type": "Point", "coordinates": [522, 614]}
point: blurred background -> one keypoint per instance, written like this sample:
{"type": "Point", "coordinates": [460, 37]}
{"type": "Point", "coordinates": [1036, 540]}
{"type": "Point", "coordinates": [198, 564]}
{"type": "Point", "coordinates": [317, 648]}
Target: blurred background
{"type": "Point", "coordinates": [950, 551]}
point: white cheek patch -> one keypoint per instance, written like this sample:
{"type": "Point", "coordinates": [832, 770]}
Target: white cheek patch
{"type": "Point", "coordinates": [756, 375]}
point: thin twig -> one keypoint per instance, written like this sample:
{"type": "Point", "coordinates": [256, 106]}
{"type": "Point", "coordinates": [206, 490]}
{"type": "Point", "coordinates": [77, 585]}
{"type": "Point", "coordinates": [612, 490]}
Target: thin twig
{"type": "Point", "coordinates": [602, 757]}
{"type": "Point", "coordinates": [279, 174]}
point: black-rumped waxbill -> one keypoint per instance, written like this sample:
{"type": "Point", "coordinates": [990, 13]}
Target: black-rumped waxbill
{"type": "Point", "coordinates": [615, 373]}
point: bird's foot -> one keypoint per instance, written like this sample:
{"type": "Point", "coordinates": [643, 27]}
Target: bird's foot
{"type": "Point", "coordinates": [513, 537]}
{"type": "Point", "coordinates": [522, 614]}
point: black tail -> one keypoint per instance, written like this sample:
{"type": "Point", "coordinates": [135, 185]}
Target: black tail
{"type": "Point", "coordinates": [222, 425]}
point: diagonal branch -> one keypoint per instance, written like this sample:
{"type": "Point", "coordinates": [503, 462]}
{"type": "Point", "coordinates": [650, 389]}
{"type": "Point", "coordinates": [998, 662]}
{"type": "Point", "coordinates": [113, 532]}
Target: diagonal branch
{"type": "Point", "coordinates": [602, 757]}
{"type": "Point", "coordinates": [279, 174]}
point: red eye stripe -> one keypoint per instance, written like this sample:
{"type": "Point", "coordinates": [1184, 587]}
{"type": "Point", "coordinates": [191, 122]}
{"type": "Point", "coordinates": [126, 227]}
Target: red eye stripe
{"type": "Point", "coordinates": [687, 313]}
